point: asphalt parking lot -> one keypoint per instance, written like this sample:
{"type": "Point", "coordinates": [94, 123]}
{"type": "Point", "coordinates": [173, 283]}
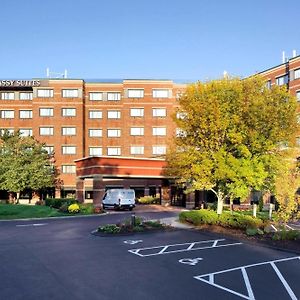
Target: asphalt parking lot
{"type": "Point", "coordinates": [60, 259]}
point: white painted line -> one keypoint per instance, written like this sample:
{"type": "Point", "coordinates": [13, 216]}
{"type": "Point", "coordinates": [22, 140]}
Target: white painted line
{"type": "Point", "coordinates": [274, 227]}
{"type": "Point", "coordinates": [31, 225]}
{"type": "Point", "coordinates": [289, 227]}
{"type": "Point", "coordinates": [190, 261]}
{"type": "Point", "coordinates": [209, 278]}
{"type": "Point", "coordinates": [166, 249]}
{"type": "Point", "coordinates": [282, 279]}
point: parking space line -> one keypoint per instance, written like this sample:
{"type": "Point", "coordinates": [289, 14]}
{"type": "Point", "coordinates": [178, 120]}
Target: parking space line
{"type": "Point", "coordinates": [210, 278]}
{"type": "Point", "coordinates": [30, 225]}
{"type": "Point", "coordinates": [167, 249]}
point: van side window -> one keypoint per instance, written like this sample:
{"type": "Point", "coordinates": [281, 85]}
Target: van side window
{"type": "Point", "coordinates": [104, 196]}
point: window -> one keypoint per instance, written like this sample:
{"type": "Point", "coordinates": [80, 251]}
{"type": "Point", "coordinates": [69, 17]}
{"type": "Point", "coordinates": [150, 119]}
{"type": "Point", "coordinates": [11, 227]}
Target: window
{"type": "Point", "coordinates": [7, 114]}
{"type": "Point", "coordinates": [135, 93]}
{"type": "Point", "coordinates": [180, 132]}
{"type": "Point", "coordinates": [298, 96]}
{"type": "Point", "coordinates": [114, 151]}
{"type": "Point", "coordinates": [95, 132]}
{"type": "Point", "coordinates": [95, 114]}
{"type": "Point", "coordinates": [26, 96]}
{"type": "Point", "coordinates": [25, 114]}
{"type": "Point", "coordinates": [113, 96]}
{"type": "Point", "coordinates": [160, 93]}
{"type": "Point", "coordinates": [113, 132]}
{"type": "Point", "coordinates": [282, 80]}
{"type": "Point", "coordinates": [297, 74]}
{"type": "Point", "coordinates": [70, 93]}
{"type": "Point", "coordinates": [46, 112]}
{"type": "Point", "coordinates": [49, 149]}
{"type": "Point", "coordinates": [45, 93]}
{"type": "Point", "coordinates": [159, 131]}
{"type": "Point", "coordinates": [179, 95]}
{"type": "Point", "coordinates": [68, 131]}
{"type": "Point", "coordinates": [181, 115]}
{"type": "Point", "coordinates": [159, 112]}
{"type": "Point", "coordinates": [8, 96]}
{"type": "Point", "coordinates": [159, 150]}
{"type": "Point", "coordinates": [46, 130]}
{"type": "Point", "coordinates": [95, 151]}
{"type": "Point", "coordinates": [25, 132]}
{"type": "Point", "coordinates": [136, 150]}
{"type": "Point", "coordinates": [69, 112]}
{"type": "Point", "coordinates": [8, 130]}
{"type": "Point", "coordinates": [68, 169]}
{"type": "Point", "coordinates": [113, 114]}
{"type": "Point", "coordinates": [95, 96]}
{"type": "Point", "coordinates": [68, 149]}
{"type": "Point", "coordinates": [268, 84]}
{"type": "Point", "coordinates": [137, 131]}
{"type": "Point", "coordinates": [136, 112]}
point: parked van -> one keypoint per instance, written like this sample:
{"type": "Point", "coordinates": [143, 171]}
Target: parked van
{"type": "Point", "coordinates": [119, 198]}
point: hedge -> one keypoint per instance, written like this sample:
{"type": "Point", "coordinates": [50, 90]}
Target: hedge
{"type": "Point", "coordinates": [59, 202]}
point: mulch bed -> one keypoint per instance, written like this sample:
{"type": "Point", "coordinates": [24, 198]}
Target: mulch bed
{"type": "Point", "coordinates": [263, 240]}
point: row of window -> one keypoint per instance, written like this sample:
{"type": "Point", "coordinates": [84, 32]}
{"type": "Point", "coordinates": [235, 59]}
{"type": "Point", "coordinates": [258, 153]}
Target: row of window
{"type": "Point", "coordinates": [71, 112]}
{"type": "Point", "coordinates": [284, 79]}
{"type": "Point", "coordinates": [93, 96]}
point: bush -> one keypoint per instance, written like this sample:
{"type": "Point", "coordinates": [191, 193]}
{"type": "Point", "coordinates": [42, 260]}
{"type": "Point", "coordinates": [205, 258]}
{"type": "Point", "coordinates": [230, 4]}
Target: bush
{"type": "Point", "coordinates": [109, 228]}
{"type": "Point", "coordinates": [87, 208]}
{"type": "Point", "coordinates": [64, 208]}
{"type": "Point", "coordinates": [74, 208]}
{"type": "Point", "coordinates": [199, 217]}
{"type": "Point", "coordinates": [239, 221]}
{"type": "Point", "coordinates": [148, 200]}
{"type": "Point", "coordinates": [286, 235]}
{"type": "Point", "coordinates": [212, 206]}
{"type": "Point", "coordinates": [58, 202]}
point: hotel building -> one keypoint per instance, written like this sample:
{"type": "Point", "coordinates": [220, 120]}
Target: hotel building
{"type": "Point", "coordinates": [77, 118]}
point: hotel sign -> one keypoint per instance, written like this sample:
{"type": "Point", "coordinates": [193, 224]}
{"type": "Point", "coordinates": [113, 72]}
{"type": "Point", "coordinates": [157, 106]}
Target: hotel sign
{"type": "Point", "coordinates": [20, 83]}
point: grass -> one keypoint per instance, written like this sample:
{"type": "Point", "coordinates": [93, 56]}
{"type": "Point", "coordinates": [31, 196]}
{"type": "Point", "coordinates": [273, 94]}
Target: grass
{"type": "Point", "coordinates": [19, 211]}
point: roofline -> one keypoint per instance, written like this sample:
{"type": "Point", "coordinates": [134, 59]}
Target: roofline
{"type": "Point", "coordinates": [120, 157]}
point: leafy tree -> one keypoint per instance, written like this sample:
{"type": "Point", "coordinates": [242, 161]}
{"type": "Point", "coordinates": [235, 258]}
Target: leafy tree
{"type": "Point", "coordinates": [231, 130]}
{"type": "Point", "coordinates": [24, 164]}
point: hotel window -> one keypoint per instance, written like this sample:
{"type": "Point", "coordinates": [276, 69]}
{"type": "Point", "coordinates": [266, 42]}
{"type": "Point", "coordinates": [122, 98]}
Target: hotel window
{"type": "Point", "coordinates": [113, 114]}
{"type": "Point", "coordinates": [297, 74]}
{"type": "Point", "coordinates": [298, 96]}
{"type": "Point", "coordinates": [137, 131]}
{"type": "Point", "coordinates": [68, 149]}
{"type": "Point", "coordinates": [46, 112]}
{"type": "Point", "coordinates": [8, 130]}
{"type": "Point", "coordinates": [8, 96]}
{"type": "Point", "coordinates": [68, 130]}
{"type": "Point", "coordinates": [135, 150]}
{"type": "Point", "coordinates": [25, 114]}
{"type": "Point", "coordinates": [25, 132]}
{"type": "Point", "coordinates": [26, 96]}
{"type": "Point", "coordinates": [181, 115]}
{"type": "Point", "coordinates": [49, 149]}
{"type": "Point", "coordinates": [282, 80]}
{"type": "Point", "coordinates": [68, 169]}
{"type": "Point", "coordinates": [95, 96]}
{"type": "Point", "coordinates": [159, 131]}
{"type": "Point", "coordinates": [159, 150]}
{"type": "Point", "coordinates": [113, 151]}
{"type": "Point", "coordinates": [113, 132]}
{"type": "Point", "coordinates": [135, 93]}
{"type": "Point", "coordinates": [113, 96]}
{"type": "Point", "coordinates": [69, 112]}
{"type": "Point", "coordinates": [95, 114]}
{"type": "Point", "coordinates": [159, 112]}
{"type": "Point", "coordinates": [95, 132]}
{"type": "Point", "coordinates": [70, 93]}
{"type": "Point", "coordinates": [95, 151]}
{"type": "Point", "coordinates": [7, 114]}
{"type": "Point", "coordinates": [136, 112]}
{"type": "Point", "coordinates": [46, 130]}
{"type": "Point", "coordinates": [268, 84]}
{"type": "Point", "coordinates": [45, 93]}
{"type": "Point", "coordinates": [160, 93]}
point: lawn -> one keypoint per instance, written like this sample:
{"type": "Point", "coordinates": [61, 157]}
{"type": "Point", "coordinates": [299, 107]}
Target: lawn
{"type": "Point", "coordinates": [19, 211]}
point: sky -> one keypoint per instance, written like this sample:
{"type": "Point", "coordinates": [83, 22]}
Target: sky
{"type": "Point", "coordinates": [142, 39]}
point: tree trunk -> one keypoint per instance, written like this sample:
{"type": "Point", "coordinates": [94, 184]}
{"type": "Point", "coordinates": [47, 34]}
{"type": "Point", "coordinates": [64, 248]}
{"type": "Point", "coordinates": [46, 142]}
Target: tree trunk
{"type": "Point", "coordinates": [220, 203]}
{"type": "Point", "coordinates": [270, 211]}
{"type": "Point", "coordinates": [254, 209]}
{"type": "Point", "coordinates": [18, 197]}
{"type": "Point", "coordinates": [11, 198]}
{"type": "Point", "coordinates": [231, 206]}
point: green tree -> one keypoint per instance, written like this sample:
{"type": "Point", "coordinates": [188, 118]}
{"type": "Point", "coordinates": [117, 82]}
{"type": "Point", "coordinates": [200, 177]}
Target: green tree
{"type": "Point", "coordinates": [24, 164]}
{"type": "Point", "coordinates": [230, 136]}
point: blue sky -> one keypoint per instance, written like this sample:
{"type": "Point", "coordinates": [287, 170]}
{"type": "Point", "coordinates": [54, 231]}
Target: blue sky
{"type": "Point", "coordinates": [170, 39]}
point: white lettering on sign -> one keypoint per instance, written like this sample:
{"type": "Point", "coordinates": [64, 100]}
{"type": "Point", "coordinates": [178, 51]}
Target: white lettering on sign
{"type": "Point", "coordinates": [19, 83]}
{"type": "Point", "coordinates": [190, 261]}
{"type": "Point", "coordinates": [133, 242]}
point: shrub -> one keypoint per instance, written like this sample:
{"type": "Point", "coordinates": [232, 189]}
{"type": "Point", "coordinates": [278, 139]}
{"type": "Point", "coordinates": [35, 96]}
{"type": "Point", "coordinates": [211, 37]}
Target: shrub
{"type": "Point", "coordinates": [109, 228]}
{"type": "Point", "coordinates": [58, 202]}
{"type": "Point", "coordinates": [254, 231]}
{"type": "Point", "coordinates": [239, 221]}
{"type": "Point", "coordinates": [286, 235]}
{"type": "Point", "coordinates": [87, 208]}
{"type": "Point", "coordinates": [212, 206]}
{"type": "Point", "coordinates": [74, 208]}
{"type": "Point", "coordinates": [64, 208]}
{"type": "Point", "coordinates": [199, 217]}
{"type": "Point", "coordinates": [148, 200]}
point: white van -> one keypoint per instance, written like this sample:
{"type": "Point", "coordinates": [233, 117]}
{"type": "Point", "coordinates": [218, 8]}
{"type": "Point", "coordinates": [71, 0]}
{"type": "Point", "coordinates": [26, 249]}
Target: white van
{"type": "Point", "coordinates": [119, 198]}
